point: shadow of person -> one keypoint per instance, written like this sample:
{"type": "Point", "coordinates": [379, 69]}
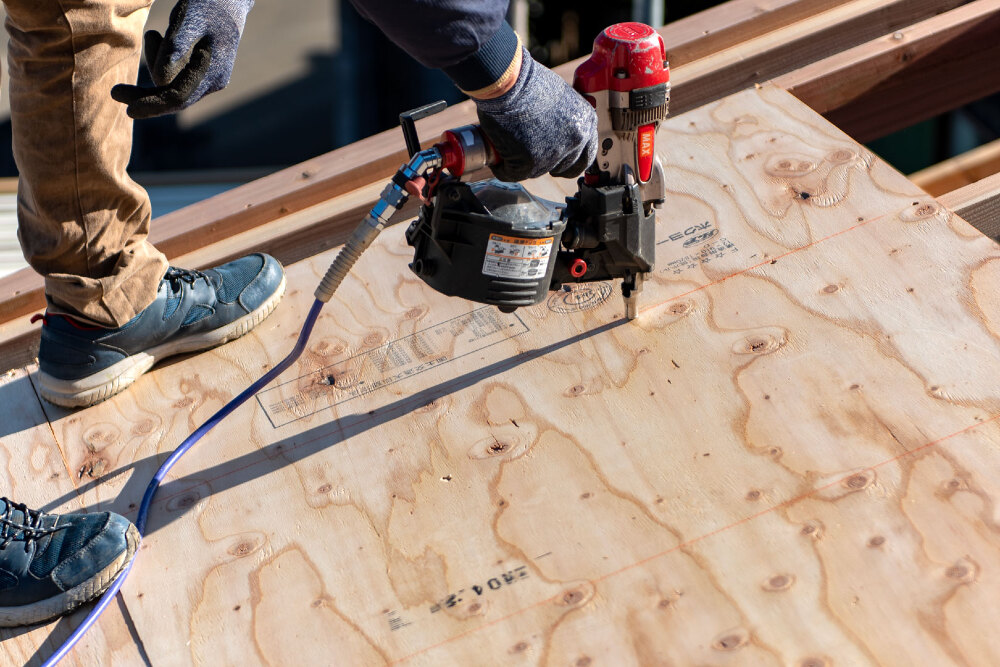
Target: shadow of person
{"type": "Point", "coordinates": [176, 498]}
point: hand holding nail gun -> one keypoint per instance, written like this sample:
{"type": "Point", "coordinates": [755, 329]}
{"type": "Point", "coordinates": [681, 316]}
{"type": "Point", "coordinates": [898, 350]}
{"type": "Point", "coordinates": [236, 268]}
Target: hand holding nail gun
{"type": "Point", "coordinates": [494, 242]}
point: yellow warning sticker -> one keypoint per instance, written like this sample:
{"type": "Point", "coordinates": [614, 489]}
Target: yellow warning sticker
{"type": "Point", "coordinates": [514, 257]}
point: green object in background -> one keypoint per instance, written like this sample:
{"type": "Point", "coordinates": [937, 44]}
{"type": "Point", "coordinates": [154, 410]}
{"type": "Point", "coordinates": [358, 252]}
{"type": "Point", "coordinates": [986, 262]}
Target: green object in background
{"type": "Point", "coordinates": [911, 149]}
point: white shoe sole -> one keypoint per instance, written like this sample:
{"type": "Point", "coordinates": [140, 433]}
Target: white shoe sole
{"type": "Point", "coordinates": [65, 602]}
{"type": "Point", "coordinates": [112, 380]}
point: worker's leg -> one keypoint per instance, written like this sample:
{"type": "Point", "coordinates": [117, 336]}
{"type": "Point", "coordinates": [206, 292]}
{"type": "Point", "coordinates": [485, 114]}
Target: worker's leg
{"type": "Point", "coordinates": [82, 220]}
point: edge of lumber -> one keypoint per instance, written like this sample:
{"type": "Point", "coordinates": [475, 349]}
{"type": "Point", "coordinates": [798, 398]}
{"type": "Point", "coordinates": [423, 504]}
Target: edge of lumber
{"type": "Point", "coordinates": [959, 171]}
{"type": "Point", "coordinates": [905, 77]}
{"type": "Point", "coordinates": [978, 204]}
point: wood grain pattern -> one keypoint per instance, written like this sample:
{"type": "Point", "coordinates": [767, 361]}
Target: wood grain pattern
{"type": "Point", "coordinates": [789, 458]}
{"type": "Point", "coordinates": [32, 471]}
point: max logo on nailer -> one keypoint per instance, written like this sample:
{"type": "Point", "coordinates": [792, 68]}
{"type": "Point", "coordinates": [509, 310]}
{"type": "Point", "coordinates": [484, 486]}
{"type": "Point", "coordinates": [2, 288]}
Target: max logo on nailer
{"type": "Point", "coordinates": [693, 235]}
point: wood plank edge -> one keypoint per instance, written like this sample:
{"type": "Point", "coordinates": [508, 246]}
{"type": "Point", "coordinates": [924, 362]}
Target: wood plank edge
{"type": "Point", "coordinates": [978, 204]}
{"type": "Point", "coordinates": [905, 77]}
{"type": "Point", "coordinates": [959, 171]}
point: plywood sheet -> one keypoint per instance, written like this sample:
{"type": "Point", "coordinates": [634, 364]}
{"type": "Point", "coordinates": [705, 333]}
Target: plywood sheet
{"type": "Point", "coordinates": [791, 457]}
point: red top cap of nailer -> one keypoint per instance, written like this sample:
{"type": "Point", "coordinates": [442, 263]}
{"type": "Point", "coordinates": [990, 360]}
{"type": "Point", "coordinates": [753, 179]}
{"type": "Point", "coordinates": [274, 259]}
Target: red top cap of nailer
{"type": "Point", "coordinates": [626, 56]}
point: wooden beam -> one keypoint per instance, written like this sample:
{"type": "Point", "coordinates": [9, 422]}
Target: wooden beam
{"type": "Point", "coordinates": [728, 24]}
{"type": "Point", "coordinates": [913, 74]}
{"type": "Point", "coordinates": [959, 171]}
{"type": "Point", "coordinates": [978, 204]}
{"type": "Point", "coordinates": [813, 38]}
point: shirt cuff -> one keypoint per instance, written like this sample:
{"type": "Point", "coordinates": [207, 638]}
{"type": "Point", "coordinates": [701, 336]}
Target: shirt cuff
{"type": "Point", "coordinates": [493, 67]}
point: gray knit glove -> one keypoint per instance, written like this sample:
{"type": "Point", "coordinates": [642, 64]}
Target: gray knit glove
{"type": "Point", "coordinates": [539, 126]}
{"type": "Point", "coordinates": [194, 58]}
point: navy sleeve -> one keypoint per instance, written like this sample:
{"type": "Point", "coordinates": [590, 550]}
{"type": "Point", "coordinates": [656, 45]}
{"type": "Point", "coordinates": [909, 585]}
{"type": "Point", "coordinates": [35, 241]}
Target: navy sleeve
{"type": "Point", "coordinates": [468, 39]}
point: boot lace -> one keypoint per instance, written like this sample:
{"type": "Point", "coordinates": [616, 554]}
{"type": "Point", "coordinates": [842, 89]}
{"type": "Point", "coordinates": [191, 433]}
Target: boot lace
{"type": "Point", "coordinates": [28, 530]}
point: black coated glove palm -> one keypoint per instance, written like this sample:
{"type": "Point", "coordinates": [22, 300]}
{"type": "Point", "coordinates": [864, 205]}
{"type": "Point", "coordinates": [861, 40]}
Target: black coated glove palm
{"type": "Point", "coordinates": [194, 58]}
{"type": "Point", "coordinates": [539, 126]}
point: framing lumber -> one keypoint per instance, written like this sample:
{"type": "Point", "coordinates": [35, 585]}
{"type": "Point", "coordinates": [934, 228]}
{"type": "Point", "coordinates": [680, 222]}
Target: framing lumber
{"type": "Point", "coordinates": [913, 74]}
{"type": "Point", "coordinates": [772, 54]}
{"type": "Point", "coordinates": [789, 458]}
{"type": "Point", "coordinates": [979, 204]}
{"type": "Point", "coordinates": [959, 171]}
{"type": "Point", "coordinates": [731, 47]}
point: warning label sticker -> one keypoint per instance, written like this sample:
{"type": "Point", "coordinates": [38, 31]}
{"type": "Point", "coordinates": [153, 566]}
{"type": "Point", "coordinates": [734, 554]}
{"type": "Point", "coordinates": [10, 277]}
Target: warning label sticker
{"type": "Point", "coordinates": [512, 257]}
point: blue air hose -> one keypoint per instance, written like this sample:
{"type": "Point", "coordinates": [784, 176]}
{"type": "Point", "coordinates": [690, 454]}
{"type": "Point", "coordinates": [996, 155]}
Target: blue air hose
{"type": "Point", "coordinates": [154, 484]}
{"type": "Point", "coordinates": [393, 197]}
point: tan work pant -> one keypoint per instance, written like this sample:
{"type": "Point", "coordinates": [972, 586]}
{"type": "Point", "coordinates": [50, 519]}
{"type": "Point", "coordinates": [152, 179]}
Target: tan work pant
{"type": "Point", "coordinates": [82, 222]}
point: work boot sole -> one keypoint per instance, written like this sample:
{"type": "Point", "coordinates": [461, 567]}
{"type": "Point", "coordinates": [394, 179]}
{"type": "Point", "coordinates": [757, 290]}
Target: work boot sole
{"type": "Point", "coordinates": [113, 380]}
{"type": "Point", "coordinates": [65, 602]}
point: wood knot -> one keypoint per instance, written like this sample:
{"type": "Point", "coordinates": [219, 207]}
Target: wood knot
{"type": "Point", "coordinates": [753, 495]}
{"type": "Point", "coordinates": [183, 502]}
{"type": "Point", "coordinates": [758, 344]}
{"type": "Point", "coordinates": [576, 596]}
{"type": "Point", "coordinates": [876, 541]}
{"type": "Point", "coordinates": [413, 313]}
{"type": "Point", "coordinates": [859, 481]}
{"type": "Point", "coordinates": [813, 662]}
{"type": "Point", "coordinates": [575, 390]}
{"type": "Point", "coordinates": [920, 211]}
{"type": "Point", "coordinates": [681, 308]}
{"type": "Point", "coordinates": [519, 647]}
{"type": "Point", "coordinates": [812, 529]}
{"type": "Point", "coordinates": [789, 167]}
{"type": "Point", "coordinates": [840, 156]}
{"type": "Point", "coordinates": [953, 485]}
{"type": "Point", "coordinates": [831, 289]}
{"type": "Point", "coordinates": [583, 661]}
{"type": "Point", "coordinates": [182, 403]}
{"type": "Point", "coordinates": [779, 582]}
{"type": "Point", "coordinates": [731, 640]}
{"type": "Point", "coordinates": [373, 339]}
{"type": "Point", "coordinates": [144, 427]}
{"type": "Point", "coordinates": [962, 571]}
{"type": "Point", "coordinates": [244, 546]}
{"type": "Point", "coordinates": [324, 489]}
{"type": "Point", "coordinates": [100, 436]}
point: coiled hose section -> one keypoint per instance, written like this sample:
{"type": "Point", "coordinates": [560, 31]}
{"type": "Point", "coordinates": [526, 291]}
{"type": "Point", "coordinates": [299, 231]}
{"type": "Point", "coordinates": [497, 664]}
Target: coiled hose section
{"type": "Point", "coordinates": [360, 239]}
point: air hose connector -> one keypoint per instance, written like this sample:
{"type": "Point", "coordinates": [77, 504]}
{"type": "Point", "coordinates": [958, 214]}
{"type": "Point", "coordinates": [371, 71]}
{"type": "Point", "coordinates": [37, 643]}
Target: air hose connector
{"type": "Point", "coordinates": [393, 197]}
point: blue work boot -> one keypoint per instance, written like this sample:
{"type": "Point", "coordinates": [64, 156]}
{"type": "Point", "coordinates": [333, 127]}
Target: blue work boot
{"type": "Point", "coordinates": [52, 563]}
{"type": "Point", "coordinates": [80, 365]}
